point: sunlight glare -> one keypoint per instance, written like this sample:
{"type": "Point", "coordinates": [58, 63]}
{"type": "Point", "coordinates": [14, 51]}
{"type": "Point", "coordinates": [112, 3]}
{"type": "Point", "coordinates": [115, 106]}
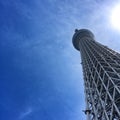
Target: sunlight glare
{"type": "Point", "coordinates": [115, 17]}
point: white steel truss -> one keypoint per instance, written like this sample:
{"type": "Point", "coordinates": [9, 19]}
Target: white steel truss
{"type": "Point", "coordinates": [101, 70]}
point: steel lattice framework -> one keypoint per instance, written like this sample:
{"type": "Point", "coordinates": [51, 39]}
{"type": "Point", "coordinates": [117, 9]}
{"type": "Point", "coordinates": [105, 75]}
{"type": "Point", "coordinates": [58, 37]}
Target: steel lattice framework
{"type": "Point", "coordinates": [101, 69]}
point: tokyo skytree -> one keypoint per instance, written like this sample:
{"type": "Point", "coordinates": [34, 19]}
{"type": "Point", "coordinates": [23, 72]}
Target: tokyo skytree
{"type": "Point", "coordinates": [101, 72]}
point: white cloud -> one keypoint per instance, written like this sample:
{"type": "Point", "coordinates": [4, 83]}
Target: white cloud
{"type": "Point", "coordinates": [26, 113]}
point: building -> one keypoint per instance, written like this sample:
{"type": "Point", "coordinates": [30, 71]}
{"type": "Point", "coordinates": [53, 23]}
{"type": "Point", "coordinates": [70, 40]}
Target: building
{"type": "Point", "coordinates": [101, 71]}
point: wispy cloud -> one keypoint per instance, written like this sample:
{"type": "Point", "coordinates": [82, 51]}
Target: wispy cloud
{"type": "Point", "coordinates": [25, 113]}
{"type": "Point", "coordinates": [52, 25]}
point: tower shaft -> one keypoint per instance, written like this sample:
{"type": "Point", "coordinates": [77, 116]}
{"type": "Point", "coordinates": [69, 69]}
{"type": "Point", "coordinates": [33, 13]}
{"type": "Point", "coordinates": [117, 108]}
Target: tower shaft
{"type": "Point", "coordinates": [101, 70]}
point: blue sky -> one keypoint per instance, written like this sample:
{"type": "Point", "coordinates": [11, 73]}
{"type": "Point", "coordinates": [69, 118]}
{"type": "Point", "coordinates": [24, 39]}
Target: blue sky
{"type": "Point", "coordinates": [40, 71]}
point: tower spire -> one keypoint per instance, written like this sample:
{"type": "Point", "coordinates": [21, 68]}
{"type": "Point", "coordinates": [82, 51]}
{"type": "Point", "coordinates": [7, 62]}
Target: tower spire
{"type": "Point", "coordinates": [101, 71]}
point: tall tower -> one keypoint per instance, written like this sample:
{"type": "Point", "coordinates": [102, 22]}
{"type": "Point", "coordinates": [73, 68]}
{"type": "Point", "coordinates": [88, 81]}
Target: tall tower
{"type": "Point", "coordinates": [101, 70]}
